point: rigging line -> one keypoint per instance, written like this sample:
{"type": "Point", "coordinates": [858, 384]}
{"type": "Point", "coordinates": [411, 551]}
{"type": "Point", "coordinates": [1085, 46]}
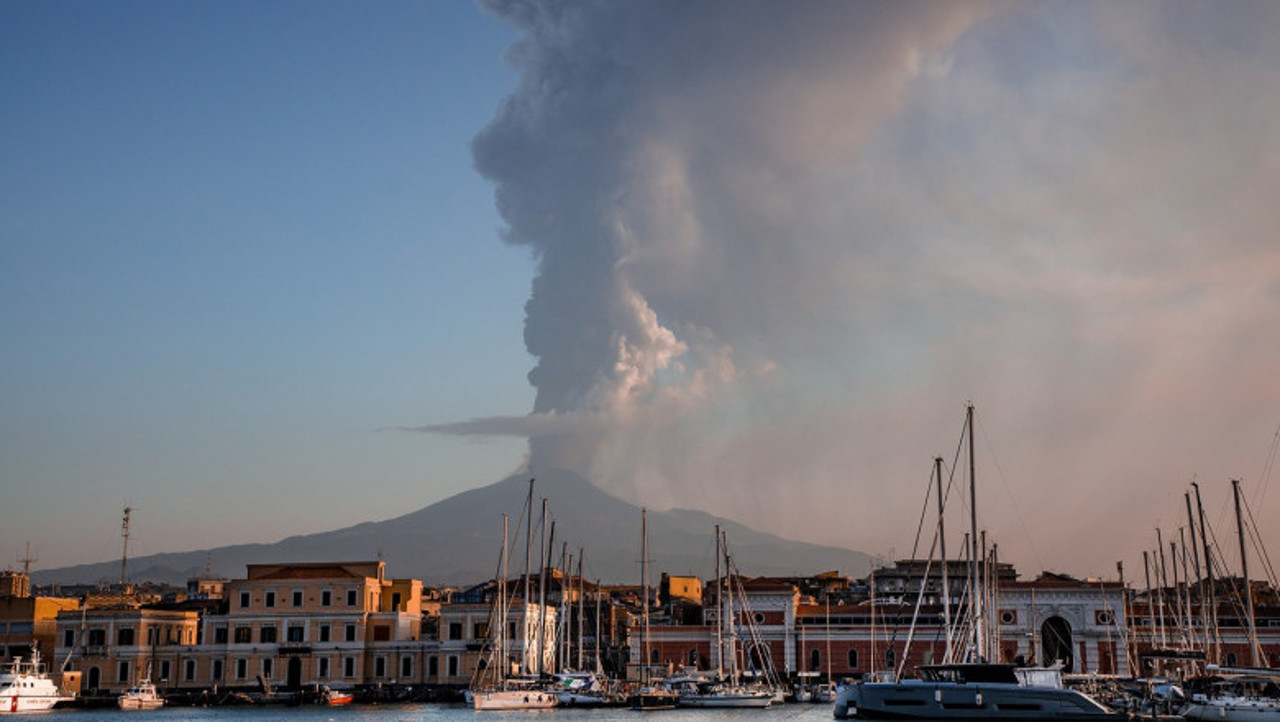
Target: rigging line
{"type": "Point", "coordinates": [1267, 467]}
{"type": "Point", "coordinates": [1022, 522]}
{"type": "Point", "coordinates": [924, 512]}
{"type": "Point", "coordinates": [1256, 535]}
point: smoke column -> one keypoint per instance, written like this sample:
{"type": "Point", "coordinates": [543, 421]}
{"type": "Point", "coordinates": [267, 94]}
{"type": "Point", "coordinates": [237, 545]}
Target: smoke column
{"type": "Point", "coordinates": [780, 245]}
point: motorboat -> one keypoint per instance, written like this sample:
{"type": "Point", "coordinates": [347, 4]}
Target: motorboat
{"type": "Point", "coordinates": [25, 686]}
{"type": "Point", "coordinates": [971, 692]}
{"type": "Point", "coordinates": [142, 695]}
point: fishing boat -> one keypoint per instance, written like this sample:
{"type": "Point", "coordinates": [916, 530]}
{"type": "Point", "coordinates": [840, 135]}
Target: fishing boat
{"type": "Point", "coordinates": [336, 697]}
{"type": "Point", "coordinates": [25, 686]}
{"type": "Point", "coordinates": [142, 695]}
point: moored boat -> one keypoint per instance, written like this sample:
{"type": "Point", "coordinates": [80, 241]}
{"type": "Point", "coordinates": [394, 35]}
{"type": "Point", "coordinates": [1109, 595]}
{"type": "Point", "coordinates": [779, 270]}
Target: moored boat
{"type": "Point", "coordinates": [25, 687]}
{"type": "Point", "coordinates": [142, 695]}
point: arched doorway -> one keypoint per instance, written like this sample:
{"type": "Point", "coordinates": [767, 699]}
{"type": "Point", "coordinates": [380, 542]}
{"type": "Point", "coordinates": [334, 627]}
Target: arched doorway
{"type": "Point", "coordinates": [1055, 643]}
{"type": "Point", "coordinates": [295, 672]}
{"type": "Point", "coordinates": [93, 679]}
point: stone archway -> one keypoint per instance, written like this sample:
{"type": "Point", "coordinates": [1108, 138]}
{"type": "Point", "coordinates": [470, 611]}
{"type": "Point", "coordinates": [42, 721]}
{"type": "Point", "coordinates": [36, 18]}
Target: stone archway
{"type": "Point", "coordinates": [1055, 643]}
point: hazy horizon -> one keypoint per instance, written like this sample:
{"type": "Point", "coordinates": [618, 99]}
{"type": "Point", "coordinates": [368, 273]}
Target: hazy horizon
{"type": "Point", "coordinates": [277, 269]}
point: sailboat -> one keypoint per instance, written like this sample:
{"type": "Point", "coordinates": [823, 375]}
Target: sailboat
{"type": "Point", "coordinates": [648, 696]}
{"type": "Point", "coordinates": [725, 689]}
{"type": "Point", "coordinates": [1239, 694]}
{"type": "Point", "coordinates": [493, 688]}
{"type": "Point", "coordinates": [976, 689]}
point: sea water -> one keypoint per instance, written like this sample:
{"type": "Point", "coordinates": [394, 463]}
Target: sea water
{"type": "Point", "coordinates": [441, 713]}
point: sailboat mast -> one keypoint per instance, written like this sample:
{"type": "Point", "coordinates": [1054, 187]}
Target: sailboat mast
{"type": "Point", "coordinates": [528, 574]}
{"type": "Point", "coordinates": [1244, 569]}
{"type": "Point", "coordinates": [582, 589]}
{"type": "Point", "coordinates": [719, 612]}
{"type": "Point", "coordinates": [1211, 648]}
{"type": "Point", "coordinates": [644, 593]}
{"type": "Point", "coordinates": [942, 544]}
{"type": "Point", "coordinates": [501, 672]}
{"type": "Point", "coordinates": [975, 605]}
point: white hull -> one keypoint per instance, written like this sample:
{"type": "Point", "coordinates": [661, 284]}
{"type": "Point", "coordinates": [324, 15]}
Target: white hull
{"type": "Point", "coordinates": [26, 704]}
{"type": "Point", "coordinates": [507, 699]}
{"type": "Point", "coordinates": [740, 701]}
{"type": "Point", "coordinates": [136, 703]}
{"type": "Point", "coordinates": [1234, 709]}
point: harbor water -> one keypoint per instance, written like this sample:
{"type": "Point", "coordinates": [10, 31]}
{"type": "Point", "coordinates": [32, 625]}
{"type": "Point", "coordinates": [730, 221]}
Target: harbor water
{"type": "Point", "coordinates": [438, 713]}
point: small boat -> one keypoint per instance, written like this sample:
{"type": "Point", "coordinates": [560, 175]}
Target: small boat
{"type": "Point", "coordinates": [335, 697]}
{"type": "Point", "coordinates": [26, 687]}
{"type": "Point", "coordinates": [1236, 695]}
{"type": "Point", "coordinates": [693, 692]}
{"type": "Point", "coordinates": [142, 695]}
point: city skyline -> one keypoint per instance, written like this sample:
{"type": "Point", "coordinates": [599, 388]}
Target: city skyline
{"type": "Point", "coordinates": [273, 270]}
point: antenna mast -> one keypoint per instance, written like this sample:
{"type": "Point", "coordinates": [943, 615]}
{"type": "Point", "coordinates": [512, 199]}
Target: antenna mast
{"type": "Point", "coordinates": [124, 557]}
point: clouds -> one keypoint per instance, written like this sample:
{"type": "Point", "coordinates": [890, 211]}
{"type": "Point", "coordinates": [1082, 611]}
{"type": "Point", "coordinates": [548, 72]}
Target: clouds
{"type": "Point", "coordinates": [779, 247]}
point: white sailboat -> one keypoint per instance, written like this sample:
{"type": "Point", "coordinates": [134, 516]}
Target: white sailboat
{"type": "Point", "coordinates": [493, 688]}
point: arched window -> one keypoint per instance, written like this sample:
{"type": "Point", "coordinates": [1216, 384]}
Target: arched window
{"type": "Point", "coordinates": [853, 659]}
{"type": "Point", "coordinates": [815, 660]}
{"type": "Point", "coordinates": [1231, 659]}
{"type": "Point", "coordinates": [890, 658]}
{"type": "Point", "coordinates": [653, 656]}
{"type": "Point", "coordinates": [693, 657]}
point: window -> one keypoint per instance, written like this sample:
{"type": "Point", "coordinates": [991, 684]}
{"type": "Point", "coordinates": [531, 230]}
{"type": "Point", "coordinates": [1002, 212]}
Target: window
{"type": "Point", "coordinates": [164, 670]}
{"type": "Point", "coordinates": [395, 601]}
{"type": "Point", "coordinates": [349, 666]}
{"type": "Point", "coordinates": [189, 670]}
{"type": "Point", "coordinates": [217, 670]}
{"type": "Point", "coordinates": [815, 660]}
{"type": "Point", "coordinates": [268, 667]}
{"type": "Point", "coordinates": [270, 600]}
{"type": "Point", "coordinates": [97, 637]}
{"type": "Point", "coordinates": [123, 673]}
{"type": "Point", "coordinates": [433, 666]}
{"type": "Point", "coordinates": [653, 656]}
{"type": "Point", "coordinates": [351, 597]}
{"type": "Point", "coordinates": [890, 658]}
{"type": "Point", "coordinates": [453, 665]}
{"type": "Point", "coordinates": [219, 635]}
{"type": "Point", "coordinates": [853, 659]}
{"type": "Point", "coordinates": [124, 637]}
{"type": "Point", "coordinates": [693, 657]}
{"type": "Point", "coordinates": [324, 632]}
{"type": "Point", "coordinates": [480, 630]}
{"type": "Point", "coordinates": [242, 668]}
{"type": "Point", "coordinates": [69, 638]}
{"type": "Point", "coordinates": [244, 635]}
{"type": "Point", "coordinates": [455, 630]}
{"type": "Point", "coordinates": [511, 630]}
{"type": "Point", "coordinates": [1230, 659]}
{"type": "Point", "coordinates": [379, 666]}
{"type": "Point", "coordinates": [297, 598]}
{"type": "Point", "coordinates": [322, 669]}
{"type": "Point", "coordinates": [406, 667]}
{"type": "Point", "coordinates": [326, 598]}
{"type": "Point", "coordinates": [244, 600]}
{"type": "Point", "coordinates": [151, 635]}
{"type": "Point", "coordinates": [382, 633]}
{"type": "Point", "coordinates": [351, 632]}
{"type": "Point", "coordinates": [267, 635]}
{"type": "Point", "coordinates": [296, 633]}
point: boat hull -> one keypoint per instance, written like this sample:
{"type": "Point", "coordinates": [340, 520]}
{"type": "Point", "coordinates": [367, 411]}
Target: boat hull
{"type": "Point", "coordinates": [27, 704]}
{"type": "Point", "coordinates": [1234, 710]}
{"type": "Point", "coordinates": [948, 701]}
{"type": "Point", "coordinates": [513, 699]}
{"type": "Point", "coordinates": [739, 701]}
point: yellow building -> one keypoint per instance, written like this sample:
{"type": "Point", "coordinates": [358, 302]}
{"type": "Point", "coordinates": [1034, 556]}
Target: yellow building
{"type": "Point", "coordinates": [27, 620]}
{"type": "Point", "coordinates": [114, 647]}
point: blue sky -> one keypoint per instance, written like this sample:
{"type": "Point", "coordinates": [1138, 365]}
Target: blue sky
{"type": "Point", "coordinates": [270, 268]}
{"type": "Point", "coordinates": [237, 241]}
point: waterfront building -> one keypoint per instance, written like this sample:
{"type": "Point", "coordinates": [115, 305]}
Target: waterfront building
{"type": "Point", "coordinates": [27, 619]}
{"type": "Point", "coordinates": [114, 647]}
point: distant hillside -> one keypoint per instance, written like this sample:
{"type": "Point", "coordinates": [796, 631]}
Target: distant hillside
{"type": "Point", "coordinates": [456, 541]}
